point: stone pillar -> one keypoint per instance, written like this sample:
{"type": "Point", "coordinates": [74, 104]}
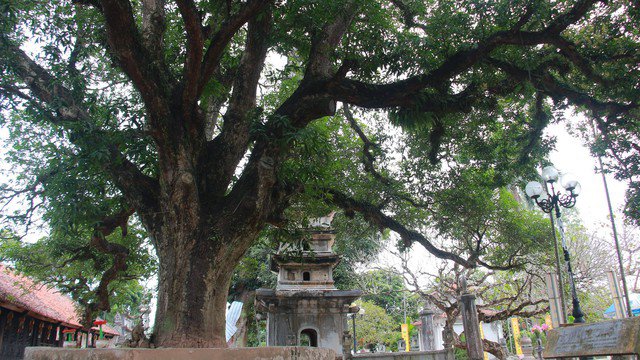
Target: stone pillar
{"type": "Point", "coordinates": [346, 346]}
{"type": "Point", "coordinates": [527, 348]}
{"type": "Point", "coordinates": [469, 315]}
{"type": "Point", "coordinates": [447, 342]}
{"type": "Point", "coordinates": [427, 340]}
{"type": "Point", "coordinates": [555, 300]}
{"type": "Point", "coordinates": [503, 345]}
{"type": "Point", "coordinates": [614, 287]}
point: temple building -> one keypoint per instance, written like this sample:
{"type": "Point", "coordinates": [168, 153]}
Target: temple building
{"type": "Point", "coordinates": [306, 309]}
{"type": "Point", "coordinates": [33, 314]}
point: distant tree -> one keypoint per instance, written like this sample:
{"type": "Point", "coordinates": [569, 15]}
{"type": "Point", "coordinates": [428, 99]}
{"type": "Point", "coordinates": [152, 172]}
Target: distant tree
{"type": "Point", "coordinates": [505, 293]}
{"type": "Point", "coordinates": [492, 227]}
{"type": "Point", "coordinates": [593, 254]}
{"type": "Point", "coordinates": [375, 326]}
{"type": "Point", "coordinates": [386, 288]}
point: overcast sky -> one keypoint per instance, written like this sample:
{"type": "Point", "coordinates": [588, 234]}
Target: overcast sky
{"type": "Point", "coordinates": [572, 156]}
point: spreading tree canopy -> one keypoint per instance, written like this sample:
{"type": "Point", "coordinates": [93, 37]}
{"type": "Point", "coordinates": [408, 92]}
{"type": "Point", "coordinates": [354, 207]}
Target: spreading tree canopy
{"type": "Point", "coordinates": [204, 121]}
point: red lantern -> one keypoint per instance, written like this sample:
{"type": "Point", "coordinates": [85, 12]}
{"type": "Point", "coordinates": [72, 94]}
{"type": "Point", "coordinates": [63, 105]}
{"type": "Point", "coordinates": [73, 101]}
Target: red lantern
{"type": "Point", "coordinates": [100, 322]}
{"type": "Point", "coordinates": [69, 333]}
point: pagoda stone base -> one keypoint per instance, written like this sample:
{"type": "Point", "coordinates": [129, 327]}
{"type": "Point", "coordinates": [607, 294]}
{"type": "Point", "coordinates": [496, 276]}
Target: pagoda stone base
{"type": "Point", "coordinates": [262, 353]}
{"type": "Point", "coordinates": [312, 318]}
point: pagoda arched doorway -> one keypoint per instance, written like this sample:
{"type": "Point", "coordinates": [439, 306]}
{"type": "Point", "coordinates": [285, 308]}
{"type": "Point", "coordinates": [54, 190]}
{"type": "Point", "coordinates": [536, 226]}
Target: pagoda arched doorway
{"type": "Point", "coordinates": [309, 337]}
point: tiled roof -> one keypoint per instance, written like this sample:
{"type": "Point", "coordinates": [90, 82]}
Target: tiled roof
{"type": "Point", "coordinates": [485, 312]}
{"type": "Point", "coordinates": [106, 329]}
{"type": "Point", "coordinates": [22, 292]}
{"type": "Point", "coordinates": [488, 312]}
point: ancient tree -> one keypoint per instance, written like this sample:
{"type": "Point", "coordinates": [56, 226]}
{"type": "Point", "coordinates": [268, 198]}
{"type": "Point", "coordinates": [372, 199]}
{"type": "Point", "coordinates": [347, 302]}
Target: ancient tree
{"type": "Point", "coordinates": [210, 119]}
{"type": "Point", "coordinates": [503, 295]}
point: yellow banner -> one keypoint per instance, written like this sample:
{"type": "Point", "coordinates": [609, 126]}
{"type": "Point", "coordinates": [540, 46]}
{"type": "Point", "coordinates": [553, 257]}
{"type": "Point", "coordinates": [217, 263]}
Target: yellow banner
{"type": "Point", "coordinates": [515, 328]}
{"type": "Point", "coordinates": [486, 356]}
{"type": "Point", "coordinates": [547, 320]}
{"type": "Point", "coordinates": [405, 336]}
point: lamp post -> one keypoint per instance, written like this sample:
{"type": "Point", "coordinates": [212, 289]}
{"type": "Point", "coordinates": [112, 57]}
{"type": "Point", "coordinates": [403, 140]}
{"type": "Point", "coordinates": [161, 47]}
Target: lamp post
{"type": "Point", "coordinates": [353, 318]}
{"type": "Point", "coordinates": [552, 203]}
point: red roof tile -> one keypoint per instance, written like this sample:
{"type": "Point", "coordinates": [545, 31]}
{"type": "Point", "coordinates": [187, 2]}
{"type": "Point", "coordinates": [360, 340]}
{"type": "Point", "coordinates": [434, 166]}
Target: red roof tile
{"type": "Point", "coordinates": [24, 293]}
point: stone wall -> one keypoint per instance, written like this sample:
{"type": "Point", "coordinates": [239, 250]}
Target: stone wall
{"type": "Point", "coordinates": [261, 353]}
{"type": "Point", "coordinates": [412, 355]}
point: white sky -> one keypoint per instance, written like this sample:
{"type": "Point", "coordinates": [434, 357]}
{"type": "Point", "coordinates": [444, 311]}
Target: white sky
{"type": "Point", "coordinates": [571, 156]}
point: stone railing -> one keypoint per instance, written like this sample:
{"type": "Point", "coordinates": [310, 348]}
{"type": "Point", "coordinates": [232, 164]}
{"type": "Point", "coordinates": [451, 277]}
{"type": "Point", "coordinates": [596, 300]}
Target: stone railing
{"type": "Point", "coordinates": [261, 353]}
{"type": "Point", "coordinates": [411, 355]}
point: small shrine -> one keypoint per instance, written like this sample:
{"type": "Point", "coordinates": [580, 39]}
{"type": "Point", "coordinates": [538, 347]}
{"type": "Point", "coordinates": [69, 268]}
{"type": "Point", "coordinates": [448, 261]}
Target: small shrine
{"type": "Point", "coordinates": [306, 309]}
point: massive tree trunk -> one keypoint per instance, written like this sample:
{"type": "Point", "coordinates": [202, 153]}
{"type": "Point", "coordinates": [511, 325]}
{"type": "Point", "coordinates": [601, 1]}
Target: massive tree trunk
{"type": "Point", "coordinates": [193, 284]}
{"type": "Point", "coordinates": [199, 238]}
{"type": "Point", "coordinates": [197, 258]}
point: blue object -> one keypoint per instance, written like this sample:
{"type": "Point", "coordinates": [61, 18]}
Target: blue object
{"type": "Point", "coordinates": [635, 307]}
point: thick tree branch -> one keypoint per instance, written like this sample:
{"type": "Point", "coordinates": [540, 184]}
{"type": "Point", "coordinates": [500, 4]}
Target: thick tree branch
{"type": "Point", "coordinates": [120, 253]}
{"type": "Point", "coordinates": [550, 86]}
{"type": "Point", "coordinates": [221, 39]}
{"type": "Point", "coordinates": [576, 13]}
{"type": "Point", "coordinates": [228, 148]}
{"type": "Point", "coordinates": [408, 16]}
{"type": "Point", "coordinates": [310, 101]}
{"type": "Point", "coordinates": [149, 78]}
{"type": "Point", "coordinates": [404, 93]}
{"type": "Point", "coordinates": [377, 218]}
{"type": "Point", "coordinates": [153, 27]}
{"type": "Point", "coordinates": [569, 50]}
{"type": "Point", "coordinates": [324, 43]}
{"type": "Point", "coordinates": [215, 102]}
{"type": "Point", "coordinates": [517, 310]}
{"type": "Point", "coordinates": [195, 43]}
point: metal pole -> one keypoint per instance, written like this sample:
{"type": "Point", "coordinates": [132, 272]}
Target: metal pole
{"type": "Point", "coordinates": [615, 240]}
{"type": "Point", "coordinates": [577, 314]}
{"type": "Point", "coordinates": [354, 333]}
{"type": "Point", "coordinates": [563, 304]}
{"type": "Point", "coordinates": [563, 310]}
{"type": "Point", "coordinates": [613, 229]}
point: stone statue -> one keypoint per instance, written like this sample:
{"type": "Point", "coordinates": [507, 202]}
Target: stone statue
{"type": "Point", "coordinates": [322, 222]}
{"type": "Point", "coordinates": [462, 282]}
{"type": "Point", "coordinates": [138, 337]}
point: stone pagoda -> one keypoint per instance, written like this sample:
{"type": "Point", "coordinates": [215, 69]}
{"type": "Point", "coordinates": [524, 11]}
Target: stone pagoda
{"type": "Point", "coordinates": [306, 309]}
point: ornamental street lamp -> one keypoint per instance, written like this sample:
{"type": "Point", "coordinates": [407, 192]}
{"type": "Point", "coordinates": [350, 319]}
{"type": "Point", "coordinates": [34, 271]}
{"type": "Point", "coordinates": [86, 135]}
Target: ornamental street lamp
{"type": "Point", "coordinates": [553, 202]}
{"type": "Point", "coordinates": [353, 317]}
